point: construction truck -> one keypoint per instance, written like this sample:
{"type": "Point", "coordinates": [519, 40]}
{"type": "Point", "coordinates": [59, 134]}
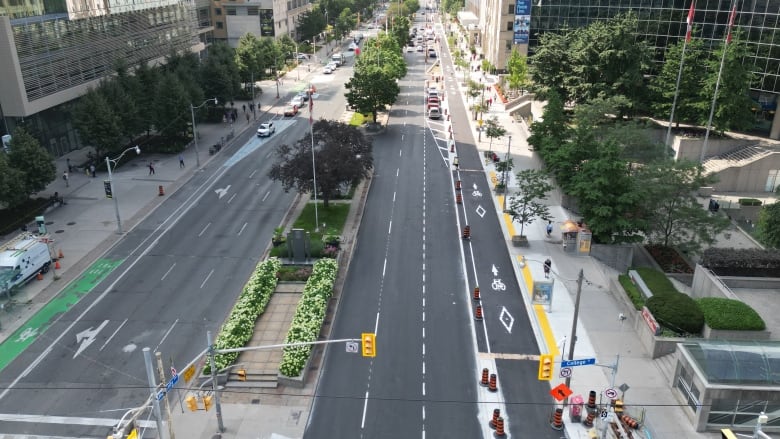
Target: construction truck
{"type": "Point", "coordinates": [21, 259]}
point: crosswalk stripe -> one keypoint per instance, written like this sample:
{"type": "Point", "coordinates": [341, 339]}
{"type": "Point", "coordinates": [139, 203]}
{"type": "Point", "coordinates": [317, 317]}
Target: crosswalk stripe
{"type": "Point", "coordinates": [66, 420]}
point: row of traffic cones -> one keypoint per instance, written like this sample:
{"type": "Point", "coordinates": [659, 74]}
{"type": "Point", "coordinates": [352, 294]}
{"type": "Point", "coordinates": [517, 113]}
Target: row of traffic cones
{"type": "Point", "coordinates": [489, 380]}
{"type": "Point", "coordinates": [57, 266]}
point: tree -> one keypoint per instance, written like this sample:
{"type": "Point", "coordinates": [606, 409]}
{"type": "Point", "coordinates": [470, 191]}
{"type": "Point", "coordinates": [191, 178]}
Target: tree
{"type": "Point", "coordinates": [12, 189]}
{"type": "Point", "coordinates": [672, 215]}
{"type": "Point", "coordinates": [400, 31]}
{"type": "Point", "coordinates": [311, 24]}
{"type": "Point", "coordinates": [35, 164]}
{"type": "Point", "coordinates": [97, 123]}
{"type": "Point", "coordinates": [526, 205]}
{"type": "Point", "coordinates": [345, 22]}
{"type": "Point", "coordinates": [769, 225]}
{"type": "Point", "coordinates": [689, 108]}
{"type": "Point", "coordinates": [343, 155]}
{"type": "Point", "coordinates": [123, 106]}
{"type": "Point", "coordinates": [493, 130]}
{"type": "Point", "coordinates": [148, 78]}
{"type": "Point", "coordinates": [552, 131]}
{"type": "Point", "coordinates": [248, 58]}
{"type": "Point", "coordinates": [517, 68]}
{"type": "Point", "coordinates": [732, 109]}
{"type": "Point", "coordinates": [220, 75]}
{"type": "Point", "coordinates": [551, 65]}
{"type": "Point", "coordinates": [382, 52]}
{"type": "Point", "coordinates": [371, 90]}
{"type": "Point", "coordinates": [171, 107]}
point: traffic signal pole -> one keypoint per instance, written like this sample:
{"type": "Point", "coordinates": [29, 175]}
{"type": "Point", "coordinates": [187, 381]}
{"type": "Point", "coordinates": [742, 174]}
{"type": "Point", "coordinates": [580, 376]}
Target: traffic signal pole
{"type": "Point", "coordinates": [214, 385]}
{"type": "Point", "coordinates": [153, 388]}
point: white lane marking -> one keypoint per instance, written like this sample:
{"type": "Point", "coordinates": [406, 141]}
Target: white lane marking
{"type": "Point", "coordinates": [266, 196]}
{"type": "Point", "coordinates": [113, 334]}
{"type": "Point", "coordinates": [423, 388]}
{"type": "Point", "coordinates": [87, 337]}
{"type": "Point", "coordinates": [204, 230]}
{"type": "Point", "coordinates": [393, 197]}
{"type": "Point", "coordinates": [222, 191]}
{"type": "Point", "coordinates": [397, 171]}
{"type": "Point", "coordinates": [242, 229]}
{"type": "Point", "coordinates": [168, 272]}
{"type": "Point", "coordinates": [365, 408]}
{"type": "Point", "coordinates": [400, 153]}
{"type": "Point", "coordinates": [423, 369]}
{"type": "Point", "coordinates": [231, 198]}
{"type": "Point", "coordinates": [402, 137]}
{"type": "Point", "coordinates": [376, 324]}
{"type": "Point", "coordinates": [252, 174]}
{"type": "Point", "coordinates": [207, 278]}
{"type": "Point", "coordinates": [35, 363]}
{"type": "Point", "coordinates": [167, 333]}
{"type": "Point", "coordinates": [65, 420]}
{"type": "Point", "coordinates": [384, 267]}
{"type": "Point", "coordinates": [390, 227]}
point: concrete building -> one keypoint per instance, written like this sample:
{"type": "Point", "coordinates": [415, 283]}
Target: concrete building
{"type": "Point", "coordinates": [54, 51]}
{"type": "Point", "coordinates": [266, 18]}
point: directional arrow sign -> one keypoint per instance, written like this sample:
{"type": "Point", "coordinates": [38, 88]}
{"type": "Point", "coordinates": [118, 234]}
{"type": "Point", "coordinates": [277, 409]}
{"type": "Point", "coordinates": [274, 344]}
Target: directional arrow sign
{"type": "Point", "coordinates": [583, 362]}
{"type": "Point", "coordinates": [221, 192]}
{"type": "Point", "coordinates": [560, 392]}
{"type": "Point", "coordinates": [495, 270]}
{"type": "Point", "coordinates": [87, 337]}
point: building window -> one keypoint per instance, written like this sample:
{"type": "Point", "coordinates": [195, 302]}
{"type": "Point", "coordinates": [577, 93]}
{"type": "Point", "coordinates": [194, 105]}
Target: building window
{"type": "Point", "coordinates": [508, 45]}
{"type": "Point", "coordinates": [511, 9]}
{"type": "Point", "coordinates": [289, 6]}
{"type": "Point", "coordinates": [509, 25]}
{"type": "Point", "coordinates": [231, 11]}
{"type": "Point", "coordinates": [217, 11]}
{"type": "Point", "coordinates": [220, 25]}
{"type": "Point", "coordinates": [688, 388]}
{"type": "Point", "coordinates": [253, 10]}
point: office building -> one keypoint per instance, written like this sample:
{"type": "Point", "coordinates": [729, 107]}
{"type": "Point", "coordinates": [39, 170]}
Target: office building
{"type": "Point", "coordinates": [54, 51]}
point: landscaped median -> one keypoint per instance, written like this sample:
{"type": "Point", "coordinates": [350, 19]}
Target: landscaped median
{"type": "Point", "coordinates": [309, 317]}
{"type": "Point", "coordinates": [239, 327]}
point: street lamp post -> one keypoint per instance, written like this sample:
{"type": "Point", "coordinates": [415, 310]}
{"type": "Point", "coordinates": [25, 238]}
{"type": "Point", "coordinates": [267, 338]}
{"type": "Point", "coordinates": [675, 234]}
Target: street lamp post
{"type": "Point", "coordinates": [195, 132]}
{"type": "Point", "coordinates": [111, 184]}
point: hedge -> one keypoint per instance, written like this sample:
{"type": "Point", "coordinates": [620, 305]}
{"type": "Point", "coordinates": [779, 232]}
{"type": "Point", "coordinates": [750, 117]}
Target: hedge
{"type": "Point", "coordinates": [632, 291]}
{"type": "Point", "coordinates": [240, 324]}
{"type": "Point", "coordinates": [677, 311]}
{"type": "Point", "coordinates": [658, 283]}
{"type": "Point", "coordinates": [729, 314]}
{"type": "Point", "coordinates": [309, 317]}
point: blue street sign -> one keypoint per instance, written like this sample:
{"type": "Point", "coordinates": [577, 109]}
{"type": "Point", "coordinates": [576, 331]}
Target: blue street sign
{"type": "Point", "coordinates": [583, 362]}
{"type": "Point", "coordinates": [172, 383]}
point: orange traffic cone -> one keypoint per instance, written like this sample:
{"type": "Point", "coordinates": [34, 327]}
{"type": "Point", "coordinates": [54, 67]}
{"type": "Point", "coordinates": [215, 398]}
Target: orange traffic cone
{"type": "Point", "coordinates": [60, 255]}
{"type": "Point", "coordinates": [161, 191]}
{"type": "Point", "coordinates": [459, 198]}
{"type": "Point", "coordinates": [452, 145]}
{"type": "Point", "coordinates": [492, 386]}
{"type": "Point", "coordinates": [457, 185]}
{"type": "Point", "coordinates": [476, 293]}
{"type": "Point", "coordinates": [588, 422]}
{"type": "Point", "coordinates": [467, 232]}
{"type": "Point", "coordinates": [57, 265]}
{"type": "Point", "coordinates": [484, 380]}
{"type": "Point", "coordinates": [557, 422]}
{"type": "Point", "coordinates": [478, 313]}
{"type": "Point", "coordinates": [40, 276]}
{"type": "Point", "coordinates": [496, 417]}
{"type": "Point", "coordinates": [592, 400]}
{"type": "Point", "coordinates": [500, 427]}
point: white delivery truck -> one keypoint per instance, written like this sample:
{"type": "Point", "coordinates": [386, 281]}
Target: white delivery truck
{"type": "Point", "coordinates": [22, 258]}
{"type": "Point", "coordinates": [338, 58]}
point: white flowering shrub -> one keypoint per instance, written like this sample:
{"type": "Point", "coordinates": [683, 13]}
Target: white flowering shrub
{"type": "Point", "coordinates": [309, 316]}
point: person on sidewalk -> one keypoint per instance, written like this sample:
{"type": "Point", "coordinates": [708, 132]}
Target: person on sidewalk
{"type": "Point", "coordinates": [181, 161]}
{"type": "Point", "coordinates": [549, 229]}
{"type": "Point", "coordinates": [70, 168]}
{"type": "Point", "coordinates": [151, 168]}
{"type": "Point", "coordinates": [547, 268]}
{"type": "Point", "coordinates": [65, 177]}
{"type": "Point", "coordinates": [92, 170]}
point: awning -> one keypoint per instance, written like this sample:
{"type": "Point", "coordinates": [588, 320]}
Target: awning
{"type": "Point", "coordinates": [569, 226]}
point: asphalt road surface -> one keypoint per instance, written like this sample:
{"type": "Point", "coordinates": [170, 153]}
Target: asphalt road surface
{"type": "Point", "coordinates": [181, 271]}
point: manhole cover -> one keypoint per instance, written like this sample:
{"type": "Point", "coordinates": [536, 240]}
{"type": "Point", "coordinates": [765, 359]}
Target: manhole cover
{"type": "Point", "coordinates": [58, 231]}
{"type": "Point", "coordinates": [71, 223]}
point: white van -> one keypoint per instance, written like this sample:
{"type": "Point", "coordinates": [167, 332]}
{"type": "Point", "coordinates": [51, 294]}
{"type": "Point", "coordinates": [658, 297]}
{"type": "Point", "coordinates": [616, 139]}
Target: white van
{"type": "Point", "coordinates": [21, 259]}
{"type": "Point", "coordinates": [338, 58]}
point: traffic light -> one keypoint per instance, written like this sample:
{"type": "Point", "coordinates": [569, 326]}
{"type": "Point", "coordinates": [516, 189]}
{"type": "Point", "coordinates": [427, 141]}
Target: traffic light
{"type": "Point", "coordinates": [546, 367]}
{"type": "Point", "coordinates": [207, 402]}
{"type": "Point", "coordinates": [241, 374]}
{"type": "Point", "coordinates": [368, 342]}
{"type": "Point", "coordinates": [192, 403]}
{"type": "Point", "coordinates": [107, 188]}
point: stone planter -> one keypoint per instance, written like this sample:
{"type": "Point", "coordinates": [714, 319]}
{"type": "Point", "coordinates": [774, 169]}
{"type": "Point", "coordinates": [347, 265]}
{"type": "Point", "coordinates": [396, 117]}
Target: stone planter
{"type": "Point", "coordinates": [500, 189]}
{"type": "Point", "coordinates": [299, 381]}
{"type": "Point", "coordinates": [519, 241]}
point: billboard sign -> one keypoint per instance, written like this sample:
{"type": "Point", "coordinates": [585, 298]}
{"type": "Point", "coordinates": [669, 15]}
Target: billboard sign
{"type": "Point", "coordinates": [522, 24]}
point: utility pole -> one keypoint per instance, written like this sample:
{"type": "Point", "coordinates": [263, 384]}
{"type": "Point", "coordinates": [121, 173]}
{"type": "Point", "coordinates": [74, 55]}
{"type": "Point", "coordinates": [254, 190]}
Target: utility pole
{"type": "Point", "coordinates": [573, 339]}
{"type": "Point", "coordinates": [161, 371]}
{"type": "Point", "coordinates": [214, 386]}
{"type": "Point", "coordinates": [153, 390]}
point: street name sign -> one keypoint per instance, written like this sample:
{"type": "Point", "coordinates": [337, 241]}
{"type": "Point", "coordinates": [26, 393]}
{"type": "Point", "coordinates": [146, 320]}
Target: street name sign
{"type": "Point", "coordinates": [583, 362]}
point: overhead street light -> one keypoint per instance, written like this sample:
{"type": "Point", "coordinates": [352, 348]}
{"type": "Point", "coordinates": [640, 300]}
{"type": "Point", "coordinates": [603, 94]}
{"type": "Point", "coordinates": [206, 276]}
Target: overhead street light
{"type": "Point", "coordinates": [194, 131]}
{"type": "Point", "coordinates": [111, 183]}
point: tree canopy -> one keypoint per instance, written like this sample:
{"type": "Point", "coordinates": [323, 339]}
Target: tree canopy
{"type": "Point", "coordinates": [26, 169]}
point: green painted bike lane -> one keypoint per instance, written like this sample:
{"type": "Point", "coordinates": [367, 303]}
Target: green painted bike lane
{"type": "Point", "coordinates": [40, 321]}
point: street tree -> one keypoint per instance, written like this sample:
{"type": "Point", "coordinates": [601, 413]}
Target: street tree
{"type": "Point", "coordinates": [527, 204]}
{"type": "Point", "coordinates": [385, 53]}
{"type": "Point", "coordinates": [371, 90]}
{"type": "Point", "coordinates": [768, 225]}
{"type": "Point", "coordinates": [345, 22]}
{"type": "Point", "coordinates": [12, 188]}
{"type": "Point", "coordinates": [662, 87]}
{"type": "Point", "coordinates": [35, 164]}
{"type": "Point", "coordinates": [97, 123]}
{"type": "Point", "coordinates": [732, 109]}
{"type": "Point", "coordinates": [551, 64]}
{"type": "Point", "coordinates": [452, 6]}
{"type": "Point", "coordinates": [220, 75]}
{"type": "Point", "coordinates": [248, 58]}
{"type": "Point", "coordinates": [552, 131]}
{"type": "Point", "coordinates": [123, 106]}
{"type": "Point", "coordinates": [311, 24]}
{"type": "Point", "coordinates": [517, 69]}
{"type": "Point", "coordinates": [672, 215]}
{"type": "Point", "coordinates": [493, 130]}
{"type": "Point", "coordinates": [342, 154]}
{"type": "Point", "coordinates": [400, 31]}
{"type": "Point", "coordinates": [147, 79]}
{"type": "Point", "coordinates": [606, 195]}
{"type": "Point", "coordinates": [171, 108]}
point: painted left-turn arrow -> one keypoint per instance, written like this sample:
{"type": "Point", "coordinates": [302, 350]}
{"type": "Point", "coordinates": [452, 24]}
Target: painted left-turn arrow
{"type": "Point", "coordinates": [222, 192]}
{"type": "Point", "coordinates": [495, 270]}
{"type": "Point", "coordinates": [87, 337]}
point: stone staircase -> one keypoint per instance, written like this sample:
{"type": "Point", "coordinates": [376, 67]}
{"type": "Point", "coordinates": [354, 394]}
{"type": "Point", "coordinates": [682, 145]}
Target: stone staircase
{"type": "Point", "coordinates": [266, 379]}
{"type": "Point", "coordinates": [667, 364]}
{"type": "Point", "coordinates": [737, 158]}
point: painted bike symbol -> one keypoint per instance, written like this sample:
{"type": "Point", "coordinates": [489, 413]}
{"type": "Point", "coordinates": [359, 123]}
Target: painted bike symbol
{"type": "Point", "coordinates": [476, 193]}
{"type": "Point", "coordinates": [497, 285]}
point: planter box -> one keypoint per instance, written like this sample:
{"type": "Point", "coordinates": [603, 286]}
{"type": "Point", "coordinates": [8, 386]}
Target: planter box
{"type": "Point", "coordinates": [519, 241]}
{"type": "Point", "coordinates": [500, 190]}
{"type": "Point", "coordinates": [719, 334]}
{"type": "Point", "coordinates": [300, 381]}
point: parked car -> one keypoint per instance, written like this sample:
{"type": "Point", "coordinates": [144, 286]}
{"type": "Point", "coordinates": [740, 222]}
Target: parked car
{"type": "Point", "coordinates": [290, 111]}
{"type": "Point", "coordinates": [434, 102]}
{"type": "Point", "coordinates": [302, 57]}
{"type": "Point", "coordinates": [431, 53]}
{"type": "Point", "coordinates": [352, 46]}
{"type": "Point", "coordinates": [433, 92]}
{"type": "Point", "coordinates": [266, 129]}
{"type": "Point", "coordinates": [419, 48]}
{"type": "Point", "coordinates": [434, 113]}
{"type": "Point", "coordinates": [296, 101]}
{"type": "Point", "coordinates": [304, 96]}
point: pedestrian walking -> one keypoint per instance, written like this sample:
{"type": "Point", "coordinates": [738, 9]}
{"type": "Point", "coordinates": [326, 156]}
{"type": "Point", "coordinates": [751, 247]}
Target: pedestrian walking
{"type": "Point", "coordinates": [549, 229]}
{"type": "Point", "coordinates": [456, 162]}
{"type": "Point", "coordinates": [151, 168]}
{"type": "Point", "coordinates": [181, 161]}
{"type": "Point", "coordinates": [244, 107]}
{"type": "Point", "coordinates": [547, 268]}
{"type": "Point", "coordinates": [70, 168]}
{"type": "Point", "coordinates": [92, 170]}
{"type": "Point", "coordinates": [65, 177]}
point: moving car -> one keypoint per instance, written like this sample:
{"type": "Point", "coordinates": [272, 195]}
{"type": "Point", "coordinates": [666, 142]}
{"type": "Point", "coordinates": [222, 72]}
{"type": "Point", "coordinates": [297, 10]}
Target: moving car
{"type": "Point", "coordinates": [290, 111]}
{"type": "Point", "coordinates": [302, 57]}
{"type": "Point", "coordinates": [431, 53]}
{"type": "Point", "coordinates": [328, 69]}
{"type": "Point", "coordinates": [296, 101]}
{"type": "Point", "coordinates": [266, 129]}
{"type": "Point", "coordinates": [304, 96]}
{"type": "Point", "coordinates": [352, 47]}
{"type": "Point", "coordinates": [419, 48]}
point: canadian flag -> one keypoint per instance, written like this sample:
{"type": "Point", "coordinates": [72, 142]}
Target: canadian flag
{"type": "Point", "coordinates": [690, 23]}
{"type": "Point", "coordinates": [732, 17]}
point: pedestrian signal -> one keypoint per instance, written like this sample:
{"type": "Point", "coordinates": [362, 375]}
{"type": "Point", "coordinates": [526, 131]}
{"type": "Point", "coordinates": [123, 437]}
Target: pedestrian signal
{"type": "Point", "coordinates": [546, 367]}
{"type": "Point", "coordinates": [192, 403]}
{"type": "Point", "coordinates": [207, 402]}
{"type": "Point", "coordinates": [241, 374]}
{"type": "Point", "coordinates": [368, 342]}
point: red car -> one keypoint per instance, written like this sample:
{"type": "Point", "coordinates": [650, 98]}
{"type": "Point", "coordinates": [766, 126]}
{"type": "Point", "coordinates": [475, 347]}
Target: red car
{"type": "Point", "coordinates": [291, 111]}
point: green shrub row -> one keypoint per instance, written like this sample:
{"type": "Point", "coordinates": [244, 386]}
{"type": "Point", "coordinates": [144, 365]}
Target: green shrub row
{"type": "Point", "coordinates": [240, 325]}
{"type": "Point", "coordinates": [309, 316]}
{"type": "Point", "coordinates": [671, 308]}
{"type": "Point", "coordinates": [729, 314]}
{"type": "Point", "coordinates": [750, 202]}
{"type": "Point", "coordinates": [633, 292]}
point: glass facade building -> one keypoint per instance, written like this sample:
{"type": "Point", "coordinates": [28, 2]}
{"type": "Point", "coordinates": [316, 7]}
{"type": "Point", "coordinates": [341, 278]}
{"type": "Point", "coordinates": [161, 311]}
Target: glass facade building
{"type": "Point", "coordinates": [663, 22]}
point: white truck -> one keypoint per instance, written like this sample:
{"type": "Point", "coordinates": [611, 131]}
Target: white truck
{"type": "Point", "coordinates": [21, 259]}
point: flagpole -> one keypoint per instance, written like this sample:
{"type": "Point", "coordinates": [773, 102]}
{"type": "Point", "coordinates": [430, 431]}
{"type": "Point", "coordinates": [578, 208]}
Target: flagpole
{"type": "Point", "coordinates": [679, 73]}
{"type": "Point", "coordinates": [732, 13]}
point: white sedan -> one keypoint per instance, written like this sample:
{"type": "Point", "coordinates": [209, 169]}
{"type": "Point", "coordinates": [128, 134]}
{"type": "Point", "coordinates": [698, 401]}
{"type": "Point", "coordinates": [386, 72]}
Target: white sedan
{"type": "Point", "coordinates": [296, 101]}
